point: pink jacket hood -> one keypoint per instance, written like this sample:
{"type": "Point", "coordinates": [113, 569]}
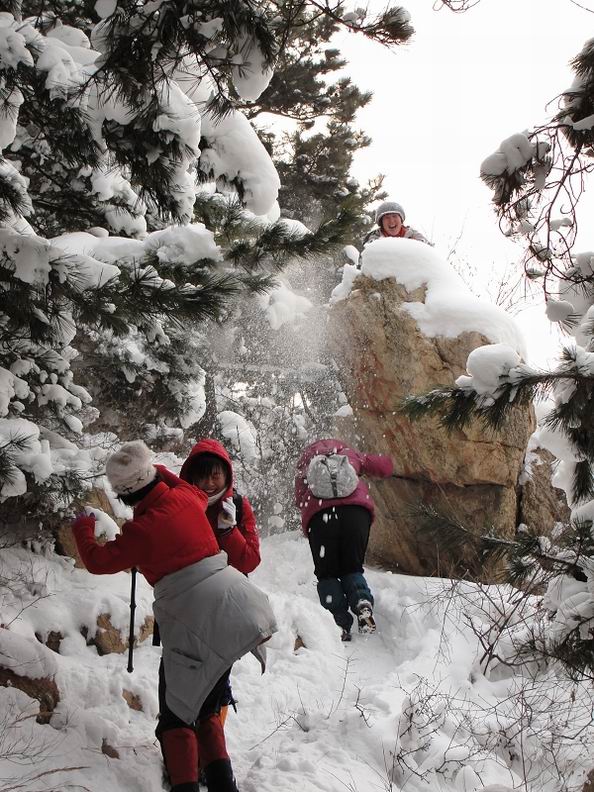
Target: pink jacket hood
{"type": "Point", "coordinates": [209, 446]}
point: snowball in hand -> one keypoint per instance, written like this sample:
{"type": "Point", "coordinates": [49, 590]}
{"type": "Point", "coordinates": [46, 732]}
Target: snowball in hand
{"type": "Point", "coordinates": [105, 526]}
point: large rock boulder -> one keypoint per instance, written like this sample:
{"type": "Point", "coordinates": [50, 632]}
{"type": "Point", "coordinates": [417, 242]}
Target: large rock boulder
{"type": "Point", "coordinates": [385, 337]}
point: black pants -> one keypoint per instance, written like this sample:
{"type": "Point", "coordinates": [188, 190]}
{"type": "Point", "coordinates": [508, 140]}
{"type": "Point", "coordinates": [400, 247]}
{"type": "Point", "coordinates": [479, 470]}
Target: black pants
{"type": "Point", "coordinates": [217, 698]}
{"type": "Point", "coordinates": [338, 539]}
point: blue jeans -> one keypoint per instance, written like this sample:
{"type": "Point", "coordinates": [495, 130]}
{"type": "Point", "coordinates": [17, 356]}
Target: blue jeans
{"type": "Point", "coordinates": [338, 594]}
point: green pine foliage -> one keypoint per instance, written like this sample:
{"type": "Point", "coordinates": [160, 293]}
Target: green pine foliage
{"type": "Point", "coordinates": [315, 159]}
{"type": "Point", "coordinates": [100, 132]}
{"type": "Point", "coordinates": [572, 415]}
{"type": "Point", "coordinates": [175, 350]}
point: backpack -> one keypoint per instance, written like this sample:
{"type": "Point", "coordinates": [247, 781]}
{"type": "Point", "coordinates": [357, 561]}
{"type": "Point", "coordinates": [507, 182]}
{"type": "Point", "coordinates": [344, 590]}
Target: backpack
{"type": "Point", "coordinates": [331, 476]}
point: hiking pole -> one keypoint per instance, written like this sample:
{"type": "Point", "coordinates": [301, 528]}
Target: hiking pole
{"type": "Point", "coordinates": [132, 609]}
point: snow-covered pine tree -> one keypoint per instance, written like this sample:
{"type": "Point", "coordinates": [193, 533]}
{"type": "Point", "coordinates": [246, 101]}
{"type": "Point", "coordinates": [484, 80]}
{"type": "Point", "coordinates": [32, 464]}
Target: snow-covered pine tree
{"type": "Point", "coordinates": [288, 390]}
{"type": "Point", "coordinates": [262, 375]}
{"type": "Point", "coordinates": [114, 109]}
{"type": "Point", "coordinates": [157, 392]}
{"type": "Point", "coordinates": [107, 110]}
{"type": "Point", "coordinates": [538, 178]}
{"type": "Point", "coordinates": [318, 106]}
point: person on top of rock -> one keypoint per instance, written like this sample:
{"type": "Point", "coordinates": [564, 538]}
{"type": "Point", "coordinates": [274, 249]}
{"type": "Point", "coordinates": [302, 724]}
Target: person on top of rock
{"type": "Point", "coordinates": [209, 614]}
{"type": "Point", "coordinates": [390, 218]}
{"type": "Point", "coordinates": [336, 516]}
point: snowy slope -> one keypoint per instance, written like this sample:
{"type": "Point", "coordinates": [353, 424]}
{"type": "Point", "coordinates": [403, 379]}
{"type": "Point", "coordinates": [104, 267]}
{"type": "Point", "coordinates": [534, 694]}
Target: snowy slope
{"type": "Point", "coordinates": [405, 709]}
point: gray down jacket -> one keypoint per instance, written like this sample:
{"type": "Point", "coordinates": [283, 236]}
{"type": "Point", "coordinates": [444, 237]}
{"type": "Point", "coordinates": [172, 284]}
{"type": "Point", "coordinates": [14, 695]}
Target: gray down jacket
{"type": "Point", "coordinates": [209, 615]}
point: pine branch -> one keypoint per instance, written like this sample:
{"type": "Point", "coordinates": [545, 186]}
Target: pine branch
{"type": "Point", "coordinates": [583, 481]}
{"type": "Point", "coordinates": [517, 557]}
{"type": "Point", "coordinates": [140, 294]}
{"type": "Point", "coordinates": [279, 243]}
{"type": "Point", "coordinates": [8, 451]}
{"type": "Point", "coordinates": [457, 407]}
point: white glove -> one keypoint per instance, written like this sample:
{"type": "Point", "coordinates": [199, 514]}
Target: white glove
{"type": "Point", "coordinates": [228, 515]}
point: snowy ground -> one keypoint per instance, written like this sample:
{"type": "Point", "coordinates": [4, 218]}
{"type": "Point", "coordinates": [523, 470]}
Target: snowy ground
{"type": "Point", "coordinates": [405, 709]}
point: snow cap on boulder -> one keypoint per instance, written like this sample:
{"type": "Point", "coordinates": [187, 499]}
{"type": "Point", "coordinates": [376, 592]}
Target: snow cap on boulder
{"type": "Point", "coordinates": [131, 468]}
{"type": "Point", "coordinates": [388, 207]}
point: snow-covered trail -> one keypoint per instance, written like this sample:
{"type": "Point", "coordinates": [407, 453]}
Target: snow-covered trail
{"type": "Point", "coordinates": [325, 717]}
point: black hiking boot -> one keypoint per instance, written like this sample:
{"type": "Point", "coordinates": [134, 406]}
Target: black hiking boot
{"type": "Point", "coordinates": [219, 776]}
{"type": "Point", "coordinates": [345, 635]}
{"type": "Point", "coordinates": [365, 617]}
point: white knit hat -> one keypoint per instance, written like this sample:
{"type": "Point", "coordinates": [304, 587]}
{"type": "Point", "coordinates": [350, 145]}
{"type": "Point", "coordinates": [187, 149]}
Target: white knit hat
{"type": "Point", "coordinates": [389, 207]}
{"type": "Point", "coordinates": [131, 468]}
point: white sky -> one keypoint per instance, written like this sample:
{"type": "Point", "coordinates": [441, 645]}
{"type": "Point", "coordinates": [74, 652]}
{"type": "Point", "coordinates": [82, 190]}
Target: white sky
{"type": "Point", "coordinates": [445, 101]}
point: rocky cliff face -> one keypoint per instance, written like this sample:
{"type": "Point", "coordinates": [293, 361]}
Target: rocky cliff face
{"type": "Point", "coordinates": [472, 475]}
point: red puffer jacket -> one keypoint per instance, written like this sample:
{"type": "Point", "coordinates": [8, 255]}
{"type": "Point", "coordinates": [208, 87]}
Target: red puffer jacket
{"type": "Point", "coordinates": [242, 544]}
{"type": "Point", "coordinates": [365, 465]}
{"type": "Point", "coordinates": [169, 531]}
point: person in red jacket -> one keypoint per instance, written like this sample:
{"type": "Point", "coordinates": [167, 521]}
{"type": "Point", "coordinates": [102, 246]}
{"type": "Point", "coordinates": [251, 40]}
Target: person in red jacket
{"type": "Point", "coordinates": [172, 543]}
{"type": "Point", "coordinates": [338, 532]}
{"type": "Point", "coordinates": [209, 467]}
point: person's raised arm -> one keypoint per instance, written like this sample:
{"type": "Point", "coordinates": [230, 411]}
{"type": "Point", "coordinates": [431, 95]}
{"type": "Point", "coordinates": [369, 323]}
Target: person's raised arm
{"type": "Point", "coordinates": [128, 549]}
{"type": "Point", "coordinates": [376, 465]}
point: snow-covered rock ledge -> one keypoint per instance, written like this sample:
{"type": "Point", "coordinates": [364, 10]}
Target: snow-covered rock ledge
{"type": "Point", "coordinates": [402, 326]}
{"type": "Point", "coordinates": [445, 306]}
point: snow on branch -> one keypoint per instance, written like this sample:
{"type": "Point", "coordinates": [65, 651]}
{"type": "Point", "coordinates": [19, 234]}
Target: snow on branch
{"type": "Point", "coordinates": [538, 178]}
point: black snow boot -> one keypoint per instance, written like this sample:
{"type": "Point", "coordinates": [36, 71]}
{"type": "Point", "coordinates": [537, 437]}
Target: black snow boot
{"type": "Point", "coordinates": [191, 786]}
{"type": "Point", "coordinates": [345, 635]}
{"type": "Point", "coordinates": [219, 776]}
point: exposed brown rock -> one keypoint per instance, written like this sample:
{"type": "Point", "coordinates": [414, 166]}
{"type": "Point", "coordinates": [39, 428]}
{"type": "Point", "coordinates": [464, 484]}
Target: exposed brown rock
{"type": "Point", "coordinates": [52, 640]}
{"type": "Point", "coordinates": [43, 689]}
{"type": "Point", "coordinates": [132, 700]}
{"type": "Point", "coordinates": [108, 639]}
{"type": "Point", "coordinates": [109, 750]}
{"type": "Point", "coordinates": [396, 541]}
{"type": "Point", "coordinates": [383, 357]}
{"type": "Point", "coordinates": [298, 643]}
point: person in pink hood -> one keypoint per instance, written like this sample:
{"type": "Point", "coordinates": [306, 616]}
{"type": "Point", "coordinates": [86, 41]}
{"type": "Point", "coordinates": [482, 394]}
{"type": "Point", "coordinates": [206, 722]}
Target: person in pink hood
{"type": "Point", "coordinates": [230, 515]}
{"type": "Point", "coordinates": [338, 532]}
